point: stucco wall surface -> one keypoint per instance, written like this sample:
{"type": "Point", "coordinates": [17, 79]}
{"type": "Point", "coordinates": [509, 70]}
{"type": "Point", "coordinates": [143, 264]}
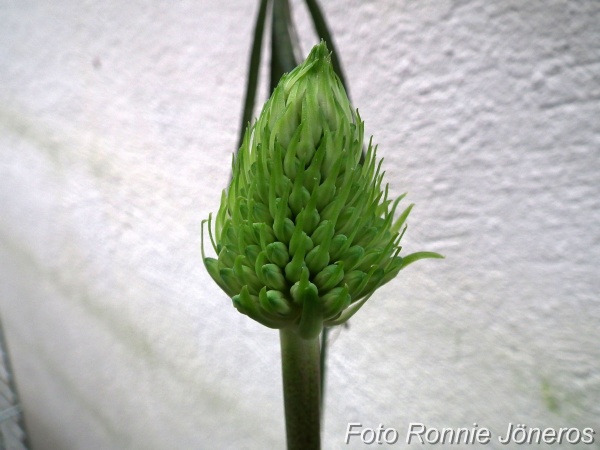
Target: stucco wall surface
{"type": "Point", "coordinates": [117, 123]}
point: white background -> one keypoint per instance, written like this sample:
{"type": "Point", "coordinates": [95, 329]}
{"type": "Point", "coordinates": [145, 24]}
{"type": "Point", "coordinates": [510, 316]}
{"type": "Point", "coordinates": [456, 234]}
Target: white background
{"type": "Point", "coordinates": [117, 123]}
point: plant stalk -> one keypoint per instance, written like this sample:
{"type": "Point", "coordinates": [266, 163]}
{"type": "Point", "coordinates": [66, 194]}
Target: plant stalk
{"type": "Point", "coordinates": [323, 367]}
{"type": "Point", "coordinates": [301, 390]}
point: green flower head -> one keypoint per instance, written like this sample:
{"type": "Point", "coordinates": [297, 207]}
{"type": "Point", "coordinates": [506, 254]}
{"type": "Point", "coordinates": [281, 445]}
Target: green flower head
{"type": "Point", "coordinates": [306, 231]}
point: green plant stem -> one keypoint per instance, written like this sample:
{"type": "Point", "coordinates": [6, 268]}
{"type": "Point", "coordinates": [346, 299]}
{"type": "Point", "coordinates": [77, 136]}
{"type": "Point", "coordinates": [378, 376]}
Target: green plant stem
{"type": "Point", "coordinates": [323, 367]}
{"type": "Point", "coordinates": [301, 390]}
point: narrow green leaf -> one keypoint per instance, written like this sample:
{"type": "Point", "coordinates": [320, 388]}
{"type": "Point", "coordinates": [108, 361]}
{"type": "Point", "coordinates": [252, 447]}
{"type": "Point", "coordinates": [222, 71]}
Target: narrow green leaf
{"type": "Point", "coordinates": [402, 219]}
{"type": "Point", "coordinates": [409, 259]}
{"type": "Point", "coordinates": [282, 44]}
{"type": "Point", "coordinates": [253, 69]}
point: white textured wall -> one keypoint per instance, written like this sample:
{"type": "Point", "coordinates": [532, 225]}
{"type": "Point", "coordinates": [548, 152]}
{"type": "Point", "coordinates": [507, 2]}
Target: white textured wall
{"type": "Point", "coordinates": [117, 120]}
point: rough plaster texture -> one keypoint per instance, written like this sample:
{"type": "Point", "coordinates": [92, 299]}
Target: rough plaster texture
{"type": "Point", "coordinates": [117, 120]}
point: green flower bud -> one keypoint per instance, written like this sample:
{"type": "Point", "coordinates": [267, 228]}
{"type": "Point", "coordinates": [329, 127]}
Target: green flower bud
{"type": "Point", "coordinates": [324, 232]}
{"type": "Point", "coordinates": [330, 277]}
{"type": "Point", "coordinates": [317, 259]}
{"type": "Point", "coordinates": [339, 244]}
{"type": "Point", "coordinates": [275, 302]}
{"type": "Point", "coordinates": [246, 275]}
{"type": "Point", "coordinates": [273, 276]}
{"type": "Point", "coordinates": [354, 280]}
{"type": "Point", "coordinates": [352, 256]}
{"type": "Point", "coordinates": [335, 301]}
{"type": "Point", "coordinates": [230, 279]}
{"type": "Point", "coordinates": [305, 232]}
{"type": "Point", "coordinates": [284, 229]}
{"type": "Point", "coordinates": [227, 257]}
{"type": "Point", "coordinates": [251, 252]}
{"type": "Point", "coordinates": [277, 252]}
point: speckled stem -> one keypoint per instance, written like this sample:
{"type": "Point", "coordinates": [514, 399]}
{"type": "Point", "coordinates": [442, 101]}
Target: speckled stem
{"type": "Point", "coordinates": [301, 390]}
